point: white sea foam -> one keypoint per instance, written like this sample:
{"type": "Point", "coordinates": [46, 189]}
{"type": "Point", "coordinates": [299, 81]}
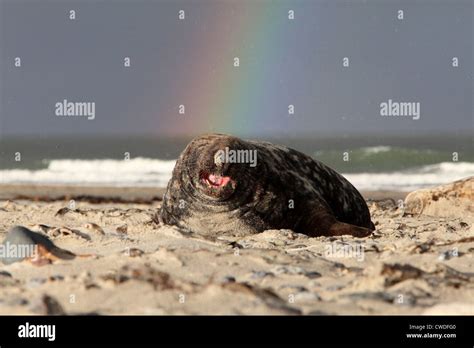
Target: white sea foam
{"type": "Point", "coordinates": [376, 149]}
{"type": "Point", "coordinates": [133, 172]}
{"type": "Point", "coordinates": [156, 173]}
{"type": "Point", "coordinates": [430, 175]}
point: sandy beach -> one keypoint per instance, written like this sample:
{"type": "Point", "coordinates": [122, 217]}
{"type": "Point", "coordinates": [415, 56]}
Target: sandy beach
{"type": "Point", "coordinates": [127, 263]}
{"type": "Point", "coordinates": [255, 114]}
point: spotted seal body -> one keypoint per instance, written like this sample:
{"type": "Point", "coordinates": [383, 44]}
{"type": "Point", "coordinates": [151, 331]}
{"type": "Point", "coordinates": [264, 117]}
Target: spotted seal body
{"type": "Point", "coordinates": [281, 188]}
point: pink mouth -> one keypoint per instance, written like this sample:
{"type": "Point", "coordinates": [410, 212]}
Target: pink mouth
{"type": "Point", "coordinates": [216, 180]}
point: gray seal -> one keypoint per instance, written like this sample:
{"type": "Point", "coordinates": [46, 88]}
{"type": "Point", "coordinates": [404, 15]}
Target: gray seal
{"type": "Point", "coordinates": [225, 185]}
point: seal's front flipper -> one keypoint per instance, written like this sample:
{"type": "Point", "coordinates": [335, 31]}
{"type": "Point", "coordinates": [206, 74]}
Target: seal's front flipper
{"type": "Point", "coordinates": [341, 228]}
{"type": "Point", "coordinates": [323, 223]}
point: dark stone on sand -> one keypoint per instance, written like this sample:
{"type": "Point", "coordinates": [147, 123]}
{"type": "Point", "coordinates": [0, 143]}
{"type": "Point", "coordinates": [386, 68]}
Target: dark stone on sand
{"type": "Point", "coordinates": [6, 279]}
{"type": "Point", "coordinates": [47, 305]}
{"type": "Point", "coordinates": [158, 279]}
{"type": "Point", "coordinates": [261, 274]}
{"type": "Point", "coordinates": [228, 279]}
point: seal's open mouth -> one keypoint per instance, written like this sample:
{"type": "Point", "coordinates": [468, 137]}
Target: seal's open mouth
{"type": "Point", "coordinates": [215, 180]}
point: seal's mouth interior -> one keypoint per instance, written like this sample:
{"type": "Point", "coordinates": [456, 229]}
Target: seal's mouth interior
{"type": "Point", "coordinates": [215, 180]}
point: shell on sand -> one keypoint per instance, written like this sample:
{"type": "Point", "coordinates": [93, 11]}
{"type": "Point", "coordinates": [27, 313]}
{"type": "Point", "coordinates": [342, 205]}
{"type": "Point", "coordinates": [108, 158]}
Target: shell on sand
{"type": "Point", "coordinates": [451, 200]}
{"type": "Point", "coordinates": [37, 249]}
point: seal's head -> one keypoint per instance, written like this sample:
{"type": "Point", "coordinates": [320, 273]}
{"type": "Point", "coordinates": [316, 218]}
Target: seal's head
{"type": "Point", "coordinates": [212, 168]}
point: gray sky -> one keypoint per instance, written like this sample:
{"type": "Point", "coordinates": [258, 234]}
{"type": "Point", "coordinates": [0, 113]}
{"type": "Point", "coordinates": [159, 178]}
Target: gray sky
{"type": "Point", "coordinates": [190, 62]}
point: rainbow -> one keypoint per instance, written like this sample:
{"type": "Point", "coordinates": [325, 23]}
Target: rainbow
{"type": "Point", "coordinates": [219, 97]}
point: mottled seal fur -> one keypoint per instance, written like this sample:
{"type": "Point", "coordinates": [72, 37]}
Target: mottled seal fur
{"type": "Point", "coordinates": [283, 189]}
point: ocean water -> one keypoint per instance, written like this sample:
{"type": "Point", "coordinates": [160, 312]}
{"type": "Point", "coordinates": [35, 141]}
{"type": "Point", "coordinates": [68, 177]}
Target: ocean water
{"type": "Point", "coordinates": [402, 165]}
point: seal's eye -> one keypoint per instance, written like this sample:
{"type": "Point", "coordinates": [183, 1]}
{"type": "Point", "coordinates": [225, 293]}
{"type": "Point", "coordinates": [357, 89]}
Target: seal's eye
{"type": "Point", "coordinates": [215, 180]}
